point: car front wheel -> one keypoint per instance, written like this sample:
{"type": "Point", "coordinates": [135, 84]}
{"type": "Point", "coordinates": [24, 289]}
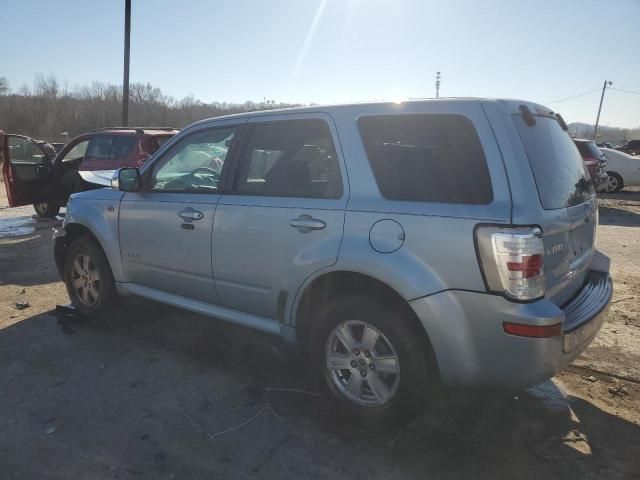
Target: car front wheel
{"type": "Point", "coordinates": [46, 209]}
{"type": "Point", "coordinates": [615, 182]}
{"type": "Point", "coordinates": [87, 276]}
{"type": "Point", "coordinates": [371, 360]}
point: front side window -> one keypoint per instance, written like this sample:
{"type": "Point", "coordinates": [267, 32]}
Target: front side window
{"type": "Point", "coordinates": [290, 159]}
{"type": "Point", "coordinates": [25, 150]}
{"type": "Point", "coordinates": [76, 152]}
{"type": "Point", "coordinates": [195, 163]}
{"type": "Point", "coordinates": [427, 158]}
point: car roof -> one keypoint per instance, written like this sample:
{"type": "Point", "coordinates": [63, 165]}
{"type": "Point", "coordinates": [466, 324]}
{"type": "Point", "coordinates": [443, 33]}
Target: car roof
{"type": "Point", "coordinates": [135, 131]}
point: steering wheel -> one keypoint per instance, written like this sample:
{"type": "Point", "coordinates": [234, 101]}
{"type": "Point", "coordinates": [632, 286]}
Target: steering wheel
{"type": "Point", "coordinates": [208, 171]}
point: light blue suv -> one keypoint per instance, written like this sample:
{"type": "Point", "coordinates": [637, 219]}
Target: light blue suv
{"type": "Point", "coordinates": [400, 246]}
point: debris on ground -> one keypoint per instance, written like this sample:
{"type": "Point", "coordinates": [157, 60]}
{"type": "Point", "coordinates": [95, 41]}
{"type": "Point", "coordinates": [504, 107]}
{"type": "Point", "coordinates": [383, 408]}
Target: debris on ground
{"type": "Point", "coordinates": [21, 305]}
{"type": "Point", "coordinates": [591, 378]}
{"type": "Point", "coordinates": [618, 390]}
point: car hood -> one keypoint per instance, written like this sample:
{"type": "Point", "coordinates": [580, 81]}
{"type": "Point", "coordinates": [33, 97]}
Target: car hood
{"type": "Point", "coordinates": [97, 177]}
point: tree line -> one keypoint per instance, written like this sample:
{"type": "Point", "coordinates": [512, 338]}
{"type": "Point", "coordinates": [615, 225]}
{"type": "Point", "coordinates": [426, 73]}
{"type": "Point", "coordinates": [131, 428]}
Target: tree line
{"type": "Point", "coordinates": [50, 111]}
{"type": "Point", "coordinates": [53, 112]}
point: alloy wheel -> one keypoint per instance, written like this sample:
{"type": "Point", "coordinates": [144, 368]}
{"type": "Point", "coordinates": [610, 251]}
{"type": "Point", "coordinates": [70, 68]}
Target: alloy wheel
{"type": "Point", "coordinates": [362, 364]}
{"type": "Point", "coordinates": [85, 279]}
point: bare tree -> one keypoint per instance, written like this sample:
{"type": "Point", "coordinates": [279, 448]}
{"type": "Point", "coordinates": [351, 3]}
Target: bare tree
{"type": "Point", "coordinates": [48, 109]}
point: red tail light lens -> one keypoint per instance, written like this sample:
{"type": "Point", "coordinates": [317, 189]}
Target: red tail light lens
{"type": "Point", "coordinates": [530, 266]}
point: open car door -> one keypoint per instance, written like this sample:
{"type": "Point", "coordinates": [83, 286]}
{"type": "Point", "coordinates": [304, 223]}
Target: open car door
{"type": "Point", "coordinates": [26, 169]}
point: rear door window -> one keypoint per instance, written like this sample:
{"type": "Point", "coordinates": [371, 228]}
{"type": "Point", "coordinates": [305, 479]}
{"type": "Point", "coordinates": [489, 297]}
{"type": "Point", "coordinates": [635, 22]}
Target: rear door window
{"type": "Point", "coordinates": [291, 159]}
{"type": "Point", "coordinates": [99, 148]}
{"type": "Point", "coordinates": [122, 146]}
{"type": "Point", "coordinates": [427, 158]}
{"type": "Point", "coordinates": [558, 169]}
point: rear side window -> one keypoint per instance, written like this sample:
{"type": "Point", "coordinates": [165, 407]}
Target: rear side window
{"type": "Point", "coordinates": [557, 166]}
{"type": "Point", "coordinates": [122, 146]}
{"type": "Point", "coordinates": [99, 147]}
{"type": "Point", "coordinates": [427, 158]}
{"type": "Point", "coordinates": [291, 159]}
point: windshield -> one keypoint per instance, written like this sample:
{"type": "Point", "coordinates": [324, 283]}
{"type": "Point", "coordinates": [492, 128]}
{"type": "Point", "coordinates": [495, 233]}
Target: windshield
{"type": "Point", "coordinates": [557, 166]}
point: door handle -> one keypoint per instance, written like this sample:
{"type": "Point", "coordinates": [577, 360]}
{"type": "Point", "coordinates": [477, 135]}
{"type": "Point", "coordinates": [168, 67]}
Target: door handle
{"type": "Point", "coordinates": [189, 214]}
{"type": "Point", "coordinates": [305, 223]}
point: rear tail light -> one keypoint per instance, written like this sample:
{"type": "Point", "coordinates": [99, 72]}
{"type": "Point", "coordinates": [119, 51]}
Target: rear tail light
{"type": "Point", "coordinates": [512, 261]}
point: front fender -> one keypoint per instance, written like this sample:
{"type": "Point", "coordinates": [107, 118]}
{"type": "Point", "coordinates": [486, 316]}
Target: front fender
{"type": "Point", "coordinates": [97, 210]}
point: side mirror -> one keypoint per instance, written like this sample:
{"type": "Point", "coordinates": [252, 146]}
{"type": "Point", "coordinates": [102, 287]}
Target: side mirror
{"type": "Point", "coordinates": [126, 179]}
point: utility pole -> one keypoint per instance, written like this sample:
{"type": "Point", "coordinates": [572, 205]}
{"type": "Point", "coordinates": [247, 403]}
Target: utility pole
{"type": "Point", "coordinates": [127, 45]}
{"type": "Point", "coordinates": [604, 88]}
{"type": "Point", "coordinates": [437, 84]}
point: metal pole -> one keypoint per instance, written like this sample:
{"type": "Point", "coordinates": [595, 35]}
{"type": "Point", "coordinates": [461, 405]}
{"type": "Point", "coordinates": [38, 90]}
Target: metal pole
{"type": "Point", "coordinates": [437, 84]}
{"type": "Point", "coordinates": [127, 45]}
{"type": "Point", "coordinates": [595, 129]}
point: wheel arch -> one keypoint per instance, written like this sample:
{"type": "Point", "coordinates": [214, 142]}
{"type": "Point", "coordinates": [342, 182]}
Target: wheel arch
{"type": "Point", "coordinates": [328, 285]}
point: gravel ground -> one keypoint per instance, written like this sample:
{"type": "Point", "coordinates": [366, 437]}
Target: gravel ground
{"type": "Point", "coordinates": [151, 392]}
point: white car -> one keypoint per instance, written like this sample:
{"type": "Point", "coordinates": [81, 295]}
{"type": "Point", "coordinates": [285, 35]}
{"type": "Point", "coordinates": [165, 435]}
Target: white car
{"type": "Point", "coordinates": [623, 169]}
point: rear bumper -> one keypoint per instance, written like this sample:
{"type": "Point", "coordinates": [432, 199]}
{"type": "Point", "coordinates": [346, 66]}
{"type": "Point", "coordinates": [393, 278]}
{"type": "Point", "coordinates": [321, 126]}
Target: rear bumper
{"type": "Point", "coordinates": [466, 332]}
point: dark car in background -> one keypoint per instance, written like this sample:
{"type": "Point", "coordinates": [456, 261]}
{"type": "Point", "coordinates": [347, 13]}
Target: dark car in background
{"type": "Point", "coordinates": [35, 175]}
{"type": "Point", "coordinates": [595, 161]}
{"type": "Point", "coordinates": [632, 147]}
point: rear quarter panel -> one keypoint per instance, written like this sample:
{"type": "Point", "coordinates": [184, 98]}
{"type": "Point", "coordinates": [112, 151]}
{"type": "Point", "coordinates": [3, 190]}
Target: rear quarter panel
{"type": "Point", "coordinates": [438, 251]}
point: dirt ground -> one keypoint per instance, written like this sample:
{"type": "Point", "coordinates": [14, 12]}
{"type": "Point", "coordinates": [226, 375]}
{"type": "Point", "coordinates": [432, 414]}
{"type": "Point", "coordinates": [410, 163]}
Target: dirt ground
{"type": "Point", "coordinates": [151, 392]}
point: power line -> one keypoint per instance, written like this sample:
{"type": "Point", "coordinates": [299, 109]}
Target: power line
{"type": "Point", "coordinates": [574, 96]}
{"type": "Point", "coordinates": [626, 91]}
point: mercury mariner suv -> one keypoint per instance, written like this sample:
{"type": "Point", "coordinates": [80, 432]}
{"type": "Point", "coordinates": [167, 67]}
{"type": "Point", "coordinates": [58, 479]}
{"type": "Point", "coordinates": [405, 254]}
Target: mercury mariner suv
{"type": "Point", "coordinates": [400, 246]}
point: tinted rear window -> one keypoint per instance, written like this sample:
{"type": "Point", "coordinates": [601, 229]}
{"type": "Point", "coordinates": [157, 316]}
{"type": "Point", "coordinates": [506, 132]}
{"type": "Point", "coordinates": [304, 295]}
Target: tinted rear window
{"type": "Point", "coordinates": [589, 149]}
{"type": "Point", "coordinates": [427, 158]}
{"type": "Point", "coordinates": [557, 166]}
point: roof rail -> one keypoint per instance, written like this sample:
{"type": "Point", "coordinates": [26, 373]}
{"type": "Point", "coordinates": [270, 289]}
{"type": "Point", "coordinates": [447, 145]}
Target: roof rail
{"type": "Point", "coordinates": [137, 129]}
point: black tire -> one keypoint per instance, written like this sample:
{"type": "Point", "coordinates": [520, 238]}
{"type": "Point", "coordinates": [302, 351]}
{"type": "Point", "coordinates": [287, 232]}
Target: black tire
{"type": "Point", "coordinates": [615, 181]}
{"type": "Point", "coordinates": [418, 379]}
{"type": "Point", "coordinates": [95, 292]}
{"type": "Point", "coordinates": [46, 209]}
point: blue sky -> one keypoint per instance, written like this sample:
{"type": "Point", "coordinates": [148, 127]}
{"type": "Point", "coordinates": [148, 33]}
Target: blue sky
{"type": "Point", "coordinates": [328, 51]}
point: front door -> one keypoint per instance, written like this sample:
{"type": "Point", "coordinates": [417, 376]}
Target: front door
{"type": "Point", "coordinates": [26, 169]}
{"type": "Point", "coordinates": [284, 219]}
{"type": "Point", "coordinates": [166, 228]}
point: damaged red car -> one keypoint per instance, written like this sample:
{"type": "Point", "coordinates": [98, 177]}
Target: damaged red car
{"type": "Point", "coordinates": [34, 174]}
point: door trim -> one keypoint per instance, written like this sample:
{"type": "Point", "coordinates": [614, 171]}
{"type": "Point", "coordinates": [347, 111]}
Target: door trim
{"type": "Point", "coordinates": [229, 315]}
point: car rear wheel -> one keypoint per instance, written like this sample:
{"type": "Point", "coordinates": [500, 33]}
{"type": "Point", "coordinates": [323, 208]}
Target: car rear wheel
{"type": "Point", "coordinates": [88, 277]}
{"type": "Point", "coordinates": [46, 209]}
{"type": "Point", "coordinates": [370, 360]}
{"type": "Point", "coordinates": [615, 182]}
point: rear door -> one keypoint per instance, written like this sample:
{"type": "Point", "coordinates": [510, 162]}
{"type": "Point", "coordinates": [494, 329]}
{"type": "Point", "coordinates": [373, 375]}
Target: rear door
{"type": "Point", "coordinates": [284, 219]}
{"type": "Point", "coordinates": [99, 154]}
{"type": "Point", "coordinates": [26, 170]}
{"type": "Point", "coordinates": [568, 216]}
